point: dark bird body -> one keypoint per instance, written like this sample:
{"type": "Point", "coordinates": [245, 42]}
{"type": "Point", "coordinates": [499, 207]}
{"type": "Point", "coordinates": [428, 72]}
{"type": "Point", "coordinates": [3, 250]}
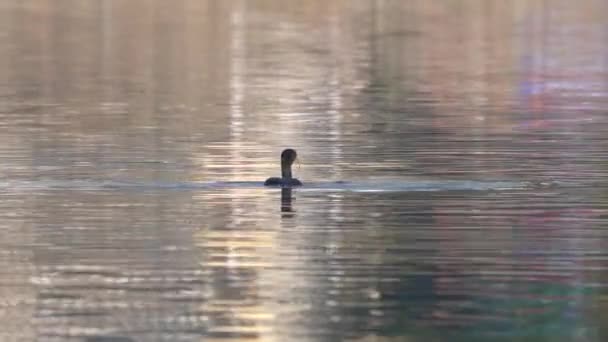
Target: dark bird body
{"type": "Point", "coordinates": [288, 156]}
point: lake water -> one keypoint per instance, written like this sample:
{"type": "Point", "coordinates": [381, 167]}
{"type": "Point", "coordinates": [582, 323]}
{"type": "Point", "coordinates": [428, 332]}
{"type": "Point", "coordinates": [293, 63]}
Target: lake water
{"type": "Point", "coordinates": [453, 155]}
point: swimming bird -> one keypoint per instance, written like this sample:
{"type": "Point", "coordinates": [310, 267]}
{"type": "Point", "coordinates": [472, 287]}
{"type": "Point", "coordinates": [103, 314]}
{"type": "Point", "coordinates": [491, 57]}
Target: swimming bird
{"type": "Point", "coordinates": [288, 156]}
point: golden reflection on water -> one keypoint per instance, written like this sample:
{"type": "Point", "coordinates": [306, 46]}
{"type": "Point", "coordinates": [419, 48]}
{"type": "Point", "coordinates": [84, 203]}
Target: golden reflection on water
{"type": "Point", "coordinates": [163, 94]}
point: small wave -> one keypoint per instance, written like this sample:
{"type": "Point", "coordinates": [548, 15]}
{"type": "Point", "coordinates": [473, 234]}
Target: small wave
{"type": "Point", "coordinates": [338, 186]}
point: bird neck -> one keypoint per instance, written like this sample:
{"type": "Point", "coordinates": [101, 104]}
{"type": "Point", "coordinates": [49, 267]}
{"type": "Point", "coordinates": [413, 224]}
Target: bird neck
{"type": "Point", "coordinates": [285, 170]}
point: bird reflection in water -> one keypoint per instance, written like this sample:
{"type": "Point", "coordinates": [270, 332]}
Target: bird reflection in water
{"type": "Point", "coordinates": [286, 201]}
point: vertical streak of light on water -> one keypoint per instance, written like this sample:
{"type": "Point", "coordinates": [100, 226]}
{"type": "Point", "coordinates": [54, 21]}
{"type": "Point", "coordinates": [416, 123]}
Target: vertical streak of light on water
{"type": "Point", "coordinates": [335, 95]}
{"type": "Point", "coordinates": [237, 98]}
{"type": "Point", "coordinates": [237, 89]}
{"type": "Point", "coordinates": [478, 89]}
{"type": "Point", "coordinates": [106, 43]}
{"type": "Point", "coordinates": [335, 107]}
{"type": "Point", "coordinates": [46, 68]}
{"type": "Point", "coordinates": [237, 82]}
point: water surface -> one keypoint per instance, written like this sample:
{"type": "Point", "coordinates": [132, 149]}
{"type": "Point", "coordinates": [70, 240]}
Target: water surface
{"type": "Point", "coordinates": [453, 156]}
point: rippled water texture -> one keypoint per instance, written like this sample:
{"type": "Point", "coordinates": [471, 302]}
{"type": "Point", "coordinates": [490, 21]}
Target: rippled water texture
{"type": "Point", "coordinates": [453, 155]}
